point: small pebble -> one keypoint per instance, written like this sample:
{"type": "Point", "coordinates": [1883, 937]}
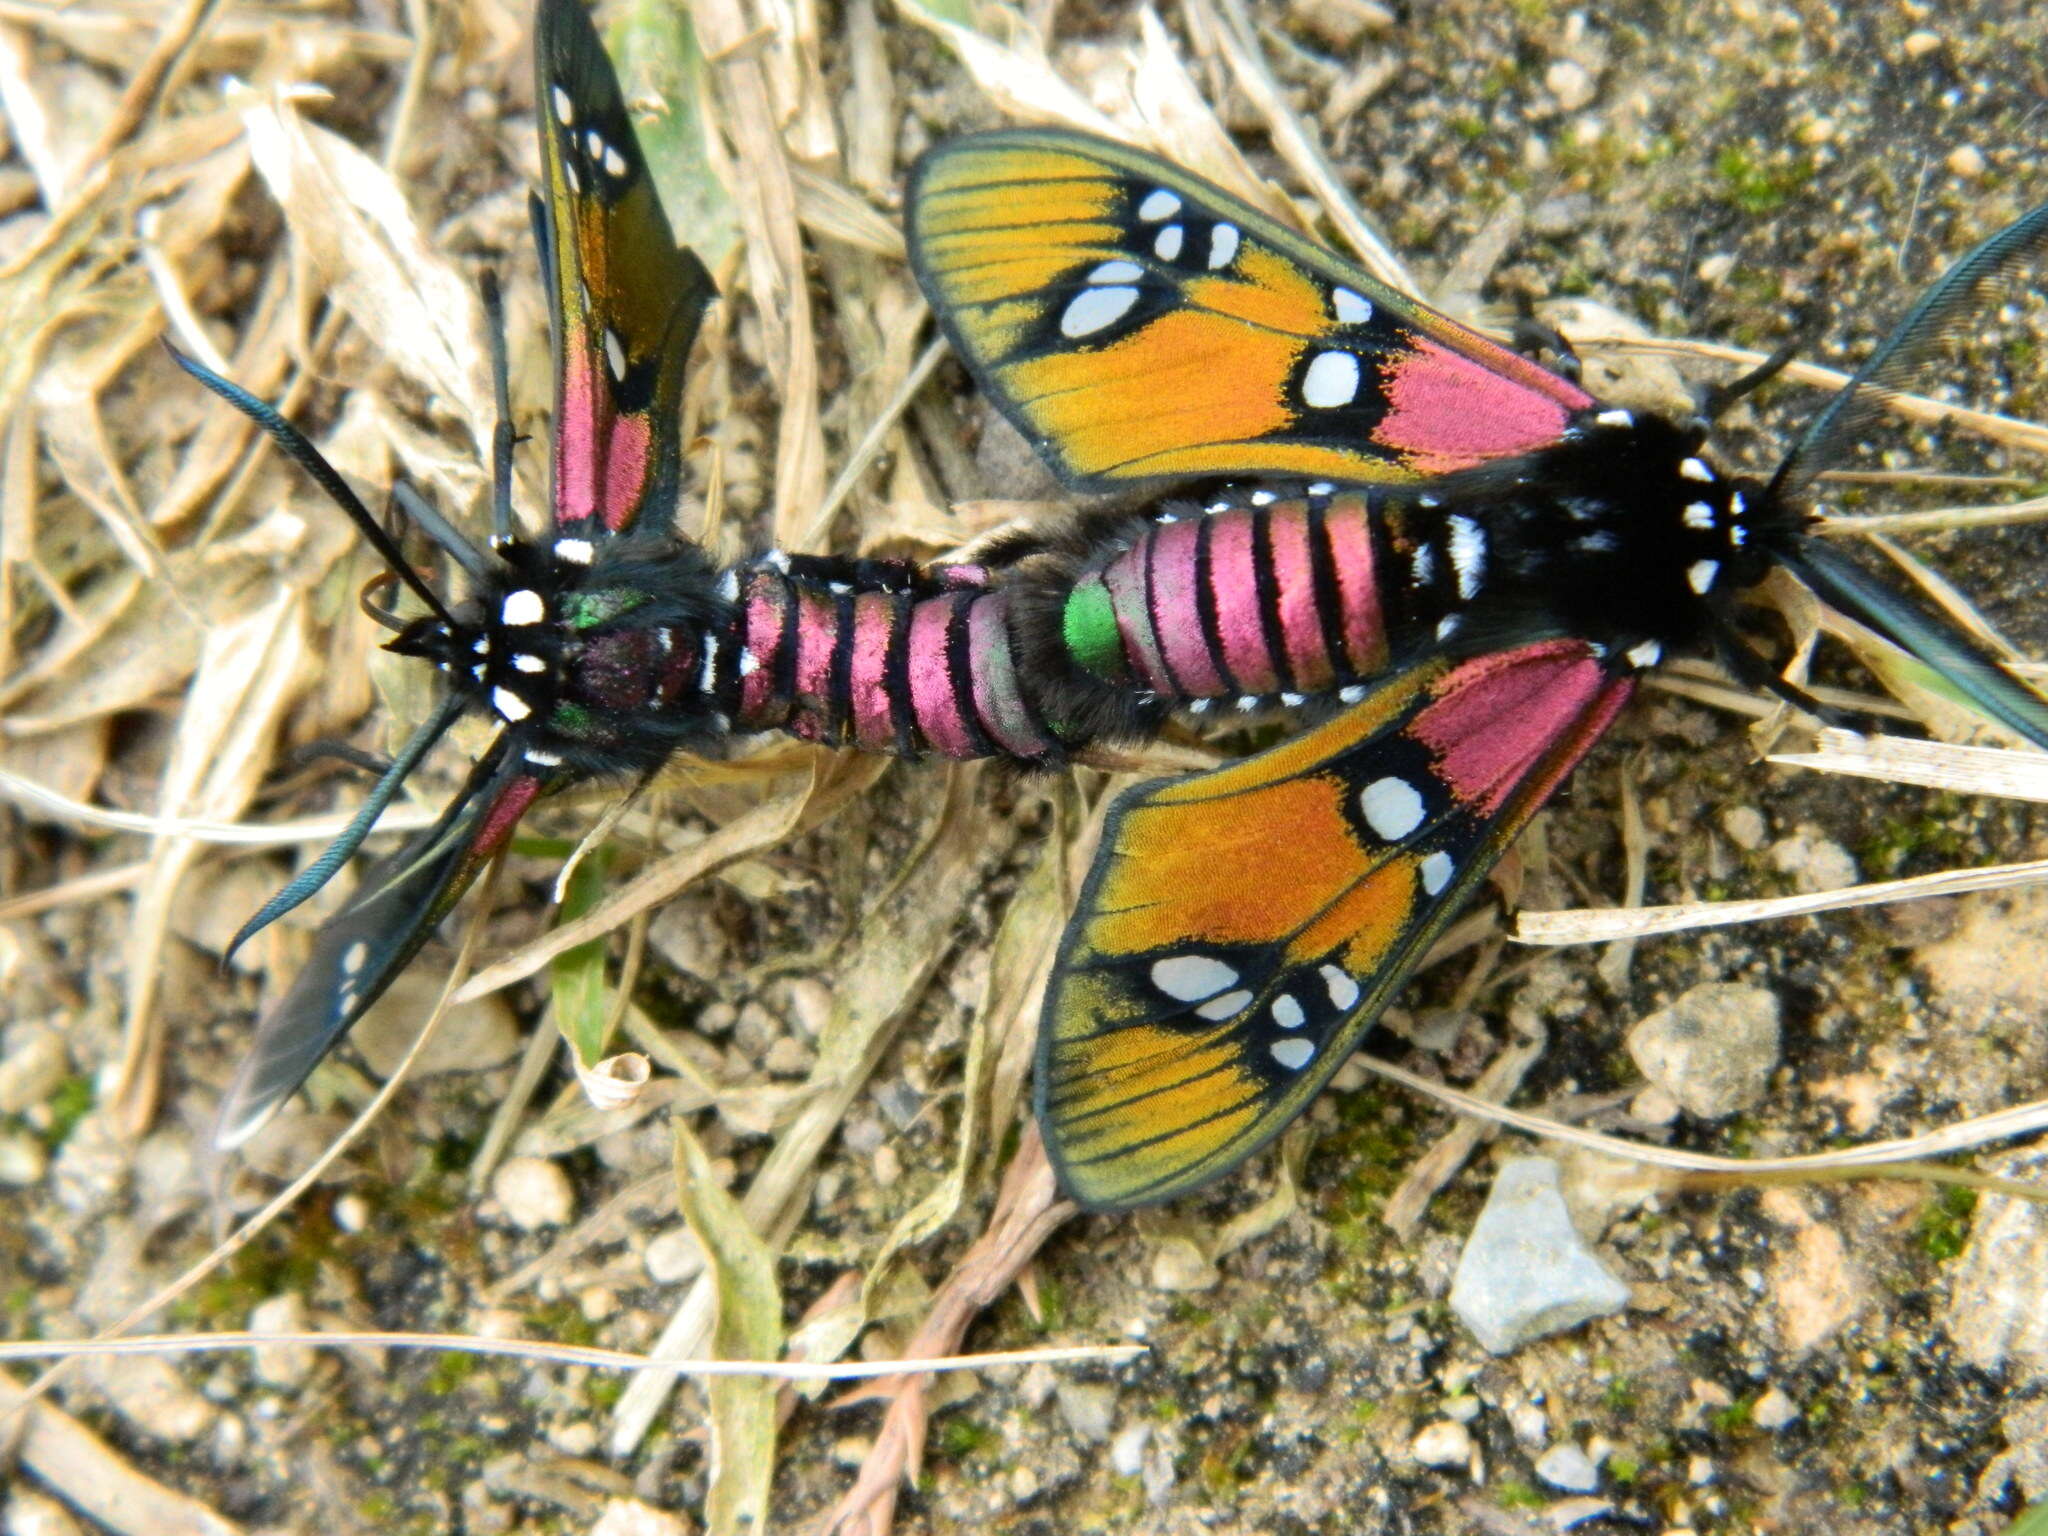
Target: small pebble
{"type": "Point", "coordinates": [534, 1193]}
{"type": "Point", "coordinates": [852, 1450]}
{"type": "Point", "coordinates": [673, 1257]}
{"type": "Point", "coordinates": [1745, 826]}
{"type": "Point", "coordinates": [1918, 45]}
{"type": "Point", "coordinates": [630, 1517]}
{"type": "Point", "coordinates": [1774, 1411]}
{"type": "Point", "coordinates": [1699, 1471]}
{"type": "Point", "coordinates": [22, 1160]}
{"type": "Point", "coordinates": [1530, 1424]}
{"type": "Point", "coordinates": [1966, 161]}
{"type": "Point", "coordinates": [887, 1165]}
{"type": "Point", "coordinates": [281, 1365]}
{"type": "Point", "coordinates": [1178, 1265]}
{"type": "Point", "coordinates": [1127, 1451]}
{"type": "Point", "coordinates": [1525, 1272]}
{"type": "Point", "coordinates": [1570, 83]}
{"type": "Point", "coordinates": [578, 1437]}
{"type": "Point", "coordinates": [1089, 1407]}
{"type": "Point", "coordinates": [1815, 861]}
{"type": "Point", "coordinates": [1568, 1469]}
{"type": "Point", "coordinates": [1445, 1443]}
{"type": "Point", "coordinates": [1715, 268]}
{"type": "Point", "coordinates": [1713, 1048]}
{"type": "Point", "coordinates": [351, 1213]}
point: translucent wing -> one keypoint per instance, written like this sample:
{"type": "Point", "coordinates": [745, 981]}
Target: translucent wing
{"type": "Point", "coordinates": [362, 947]}
{"type": "Point", "coordinates": [626, 299]}
{"type": "Point", "coordinates": [1137, 323]}
{"type": "Point", "coordinates": [1242, 929]}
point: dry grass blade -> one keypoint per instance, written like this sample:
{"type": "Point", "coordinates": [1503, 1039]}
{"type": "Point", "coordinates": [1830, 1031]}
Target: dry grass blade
{"type": "Point", "coordinates": [1595, 925]}
{"type": "Point", "coordinates": [901, 943]}
{"type": "Point", "coordinates": [775, 256]}
{"type": "Point", "coordinates": [1028, 1211]}
{"type": "Point", "coordinates": [1227, 23]}
{"type": "Point", "coordinates": [1957, 1136]}
{"type": "Point", "coordinates": [1015, 75]}
{"type": "Point", "coordinates": [245, 683]}
{"type": "Point", "coordinates": [1932, 764]}
{"type": "Point", "coordinates": [768, 824]}
{"type": "Point", "coordinates": [352, 220]}
{"type": "Point", "coordinates": [65, 1456]}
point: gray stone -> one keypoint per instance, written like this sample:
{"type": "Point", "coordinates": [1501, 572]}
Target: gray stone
{"type": "Point", "coordinates": [1998, 1299]}
{"type": "Point", "coordinates": [534, 1193]}
{"type": "Point", "coordinates": [1568, 1469]}
{"type": "Point", "coordinates": [1446, 1444]}
{"type": "Point", "coordinates": [1089, 1408]}
{"type": "Point", "coordinates": [282, 1365]}
{"type": "Point", "coordinates": [1525, 1271]}
{"type": "Point", "coordinates": [1713, 1049]}
{"type": "Point", "coordinates": [1774, 1411]}
{"type": "Point", "coordinates": [1127, 1451]}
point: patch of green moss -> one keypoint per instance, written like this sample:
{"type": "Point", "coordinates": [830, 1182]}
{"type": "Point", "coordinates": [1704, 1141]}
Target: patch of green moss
{"type": "Point", "coordinates": [960, 1436]}
{"type": "Point", "coordinates": [1757, 185]}
{"type": "Point", "coordinates": [1945, 1222]}
{"type": "Point", "coordinates": [68, 1105]}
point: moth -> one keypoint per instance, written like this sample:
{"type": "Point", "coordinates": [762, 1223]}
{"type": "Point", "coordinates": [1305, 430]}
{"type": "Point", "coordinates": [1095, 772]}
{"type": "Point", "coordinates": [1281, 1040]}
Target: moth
{"type": "Point", "coordinates": [1470, 555]}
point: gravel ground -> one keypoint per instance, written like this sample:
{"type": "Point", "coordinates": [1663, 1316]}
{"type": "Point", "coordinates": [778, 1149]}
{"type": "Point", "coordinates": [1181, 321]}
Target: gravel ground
{"type": "Point", "coordinates": [1795, 1357]}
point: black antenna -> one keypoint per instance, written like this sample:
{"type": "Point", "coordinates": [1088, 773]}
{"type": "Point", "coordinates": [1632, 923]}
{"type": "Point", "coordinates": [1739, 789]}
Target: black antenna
{"type": "Point", "coordinates": [1956, 296]}
{"type": "Point", "coordinates": [338, 852]}
{"type": "Point", "coordinates": [307, 457]}
{"type": "Point", "coordinates": [444, 533]}
{"type": "Point", "coordinates": [501, 434]}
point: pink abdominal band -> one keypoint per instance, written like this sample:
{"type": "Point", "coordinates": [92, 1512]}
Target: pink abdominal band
{"type": "Point", "coordinates": [1251, 600]}
{"type": "Point", "coordinates": [884, 670]}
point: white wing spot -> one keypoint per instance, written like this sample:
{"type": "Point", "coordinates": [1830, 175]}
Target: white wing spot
{"type": "Point", "coordinates": [1159, 204]}
{"type": "Point", "coordinates": [1699, 515]}
{"type": "Point", "coordinates": [1595, 543]}
{"type": "Point", "coordinates": [542, 759]}
{"type": "Point", "coordinates": [614, 353]}
{"type": "Point", "coordinates": [1646, 654]}
{"type": "Point", "coordinates": [574, 180]}
{"type": "Point", "coordinates": [1695, 469]}
{"type": "Point", "coordinates": [749, 662]}
{"type": "Point", "coordinates": [1247, 703]}
{"type": "Point", "coordinates": [1447, 626]}
{"type": "Point", "coordinates": [729, 584]}
{"type": "Point", "coordinates": [1294, 700]}
{"type": "Point", "coordinates": [1263, 498]}
{"type": "Point", "coordinates": [575, 551]}
{"type": "Point", "coordinates": [526, 663]}
{"type": "Point", "coordinates": [523, 607]}
{"type": "Point", "coordinates": [1436, 872]}
{"type": "Point", "coordinates": [707, 675]}
{"type": "Point", "coordinates": [356, 958]}
{"type": "Point", "coordinates": [1393, 807]}
{"type": "Point", "coordinates": [1199, 706]}
{"type": "Point", "coordinates": [1331, 380]}
{"type": "Point", "coordinates": [1353, 695]}
{"type": "Point", "coordinates": [479, 671]}
{"type": "Point", "coordinates": [1737, 535]}
{"type": "Point", "coordinates": [482, 646]}
{"type": "Point", "coordinates": [1323, 488]}
{"type": "Point", "coordinates": [1096, 309]}
{"type": "Point", "coordinates": [1615, 419]}
{"type": "Point", "coordinates": [1228, 1006]}
{"type": "Point", "coordinates": [1222, 246]}
{"type": "Point", "coordinates": [1700, 575]}
{"type": "Point", "coordinates": [1468, 554]}
{"type": "Point", "coordinates": [1350, 308]}
{"type": "Point", "coordinates": [1190, 978]}
{"type": "Point", "coordinates": [509, 704]}
{"type": "Point", "coordinates": [565, 107]}
{"type": "Point", "coordinates": [1423, 564]}
{"type": "Point", "coordinates": [1294, 1054]}
{"type": "Point", "coordinates": [1287, 1013]}
{"type": "Point", "coordinates": [614, 161]}
{"type": "Point", "coordinates": [1736, 505]}
{"type": "Point", "coordinates": [1342, 988]}
{"type": "Point", "coordinates": [1116, 272]}
{"type": "Point", "coordinates": [1167, 246]}
{"type": "Point", "coordinates": [593, 143]}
